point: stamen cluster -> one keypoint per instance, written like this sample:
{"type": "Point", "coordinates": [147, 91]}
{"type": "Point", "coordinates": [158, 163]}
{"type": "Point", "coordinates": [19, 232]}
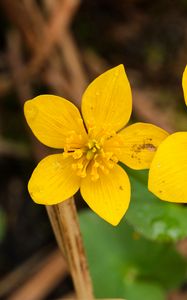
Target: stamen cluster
{"type": "Point", "coordinates": [92, 157]}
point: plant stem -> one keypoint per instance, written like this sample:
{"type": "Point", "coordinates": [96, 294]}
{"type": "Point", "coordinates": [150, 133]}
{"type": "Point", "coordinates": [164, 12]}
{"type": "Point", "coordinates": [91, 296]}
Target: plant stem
{"type": "Point", "coordinates": [64, 220]}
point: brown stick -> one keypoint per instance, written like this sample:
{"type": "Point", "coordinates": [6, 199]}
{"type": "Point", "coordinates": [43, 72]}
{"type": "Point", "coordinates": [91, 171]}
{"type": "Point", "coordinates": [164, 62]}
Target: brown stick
{"type": "Point", "coordinates": [57, 25]}
{"type": "Point", "coordinates": [22, 85]}
{"type": "Point", "coordinates": [65, 224]}
{"type": "Point", "coordinates": [40, 284]}
{"type": "Point", "coordinates": [78, 79]}
{"type": "Point", "coordinates": [69, 296]}
{"type": "Point", "coordinates": [21, 273]}
{"type": "Point", "coordinates": [16, 13]}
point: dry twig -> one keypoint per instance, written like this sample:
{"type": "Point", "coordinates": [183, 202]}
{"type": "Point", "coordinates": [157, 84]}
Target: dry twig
{"type": "Point", "coordinates": [44, 281]}
{"type": "Point", "coordinates": [65, 224]}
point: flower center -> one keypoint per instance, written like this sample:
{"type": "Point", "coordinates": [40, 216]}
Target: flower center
{"type": "Point", "coordinates": [92, 157]}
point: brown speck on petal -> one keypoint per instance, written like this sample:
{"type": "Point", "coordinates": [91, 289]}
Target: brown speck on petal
{"type": "Point", "coordinates": [148, 146]}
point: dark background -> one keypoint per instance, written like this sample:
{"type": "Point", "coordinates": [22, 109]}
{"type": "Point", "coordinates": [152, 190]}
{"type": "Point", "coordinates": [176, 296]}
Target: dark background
{"type": "Point", "coordinates": [37, 56]}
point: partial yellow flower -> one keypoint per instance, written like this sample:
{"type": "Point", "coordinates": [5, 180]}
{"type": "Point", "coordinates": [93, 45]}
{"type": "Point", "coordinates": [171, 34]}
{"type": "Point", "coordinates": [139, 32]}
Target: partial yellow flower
{"type": "Point", "coordinates": [91, 148]}
{"type": "Point", "coordinates": [184, 84]}
{"type": "Point", "coordinates": [168, 171]}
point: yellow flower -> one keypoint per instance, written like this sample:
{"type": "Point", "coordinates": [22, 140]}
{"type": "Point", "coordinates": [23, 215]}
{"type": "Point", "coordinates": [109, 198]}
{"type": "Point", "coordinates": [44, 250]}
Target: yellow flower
{"type": "Point", "coordinates": [92, 148]}
{"type": "Point", "coordinates": [168, 171]}
{"type": "Point", "coordinates": [184, 84]}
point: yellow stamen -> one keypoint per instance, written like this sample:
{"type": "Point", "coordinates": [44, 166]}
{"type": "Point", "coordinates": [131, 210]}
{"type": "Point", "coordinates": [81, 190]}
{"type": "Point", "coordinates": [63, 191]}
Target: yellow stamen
{"type": "Point", "coordinates": [92, 157]}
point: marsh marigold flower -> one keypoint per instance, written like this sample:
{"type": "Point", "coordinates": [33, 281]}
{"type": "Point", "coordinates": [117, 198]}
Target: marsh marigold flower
{"type": "Point", "coordinates": [168, 172]}
{"type": "Point", "coordinates": [92, 144]}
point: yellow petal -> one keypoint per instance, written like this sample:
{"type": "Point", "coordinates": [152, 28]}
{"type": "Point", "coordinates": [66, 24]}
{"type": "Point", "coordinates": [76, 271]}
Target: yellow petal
{"type": "Point", "coordinates": [168, 172]}
{"type": "Point", "coordinates": [108, 196]}
{"type": "Point", "coordinates": [184, 84]}
{"type": "Point", "coordinates": [107, 102]}
{"type": "Point", "coordinates": [54, 119]}
{"type": "Point", "coordinates": [53, 180]}
{"type": "Point", "coordinates": [135, 145]}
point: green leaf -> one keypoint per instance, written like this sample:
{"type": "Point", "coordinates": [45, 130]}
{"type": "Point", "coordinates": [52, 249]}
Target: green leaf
{"type": "Point", "coordinates": [143, 290]}
{"type": "Point", "coordinates": [152, 217]}
{"type": "Point", "coordinates": [124, 264]}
